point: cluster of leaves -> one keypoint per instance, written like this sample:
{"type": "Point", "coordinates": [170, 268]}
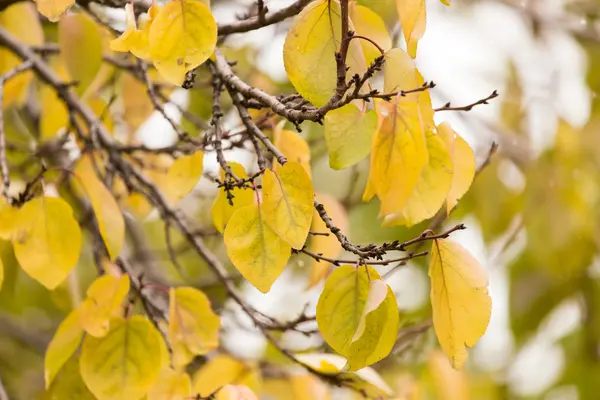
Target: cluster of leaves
{"type": "Point", "coordinates": [106, 348]}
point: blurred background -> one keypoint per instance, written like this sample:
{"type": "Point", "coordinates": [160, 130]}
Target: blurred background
{"type": "Point", "coordinates": [532, 214]}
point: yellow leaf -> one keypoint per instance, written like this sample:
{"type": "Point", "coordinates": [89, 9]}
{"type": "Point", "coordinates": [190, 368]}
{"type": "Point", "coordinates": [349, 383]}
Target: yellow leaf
{"type": "Point", "coordinates": [369, 24]}
{"type": "Point", "coordinates": [171, 385]}
{"type": "Point", "coordinates": [221, 209]}
{"type": "Point", "coordinates": [193, 326]}
{"type": "Point", "coordinates": [445, 2]}
{"type": "Point", "coordinates": [183, 36]}
{"type": "Point", "coordinates": [219, 371]}
{"type": "Point", "coordinates": [328, 246]}
{"type": "Point", "coordinates": [398, 157]}
{"type": "Point", "coordinates": [309, 51]}
{"type": "Point", "coordinates": [8, 219]}
{"type": "Point", "coordinates": [62, 346]}
{"type": "Point", "coordinates": [235, 392]}
{"type": "Point", "coordinates": [349, 135]}
{"type": "Point", "coordinates": [449, 384]}
{"type": "Point", "coordinates": [21, 20]}
{"type": "Point", "coordinates": [431, 189]}
{"type": "Point", "coordinates": [136, 40]}
{"type": "Point", "coordinates": [254, 249]}
{"type": "Point", "coordinates": [358, 316]}
{"type": "Point", "coordinates": [54, 114]}
{"type": "Point", "coordinates": [459, 298]}
{"type": "Point", "coordinates": [137, 106]}
{"type": "Point", "coordinates": [124, 364]}
{"type": "Point", "coordinates": [293, 147]}
{"type": "Point", "coordinates": [183, 175]}
{"type": "Point", "coordinates": [308, 387]}
{"type": "Point", "coordinates": [47, 240]}
{"type": "Point", "coordinates": [53, 9]}
{"type": "Point", "coordinates": [80, 44]}
{"type": "Point", "coordinates": [104, 298]}
{"type": "Point", "coordinates": [463, 161]}
{"type": "Point", "coordinates": [68, 384]}
{"type": "Point", "coordinates": [413, 17]}
{"type": "Point", "coordinates": [107, 211]}
{"type": "Point", "coordinates": [288, 203]}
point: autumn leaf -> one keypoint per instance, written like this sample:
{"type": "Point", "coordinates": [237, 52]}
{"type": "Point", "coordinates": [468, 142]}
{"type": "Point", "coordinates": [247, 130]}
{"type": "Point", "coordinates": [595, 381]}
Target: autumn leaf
{"type": "Point", "coordinates": [459, 297]}
{"type": "Point", "coordinates": [349, 135]}
{"type": "Point", "coordinates": [288, 203]}
{"type": "Point", "coordinates": [171, 385]}
{"type": "Point", "coordinates": [369, 24]}
{"type": "Point", "coordinates": [449, 384]}
{"type": "Point", "coordinates": [413, 16]}
{"type": "Point", "coordinates": [135, 40]}
{"type": "Point", "coordinates": [183, 176]}
{"type": "Point", "coordinates": [54, 115]}
{"type": "Point", "coordinates": [221, 210]}
{"type": "Point", "coordinates": [328, 246]}
{"type": "Point", "coordinates": [431, 190]}
{"type": "Point", "coordinates": [309, 51]}
{"type": "Point", "coordinates": [53, 9]}
{"type": "Point", "coordinates": [193, 326]}
{"type": "Point", "coordinates": [8, 219]}
{"type": "Point", "coordinates": [108, 214]}
{"type": "Point", "coordinates": [235, 392]}
{"type": "Point", "coordinates": [255, 249]}
{"type": "Point", "coordinates": [68, 384]}
{"type": "Point", "coordinates": [218, 371]}
{"type": "Point", "coordinates": [293, 147]}
{"type": "Point", "coordinates": [463, 161]}
{"type": "Point", "coordinates": [47, 240]}
{"type": "Point", "coordinates": [358, 316]}
{"type": "Point", "coordinates": [62, 346]}
{"type": "Point", "coordinates": [104, 298]}
{"type": "Point", "coordinates": [124, 364]}
{"type": "Point", "coordinates": [183, 36]}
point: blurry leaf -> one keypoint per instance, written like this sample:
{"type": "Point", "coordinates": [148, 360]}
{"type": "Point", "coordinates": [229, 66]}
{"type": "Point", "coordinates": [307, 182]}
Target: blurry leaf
{"type": "Point", "coordinates": [108, 214]}
{"type": "Point", "coordinates": [218, 371]}
{"type": "Point", "coordinates": [137, 106]}
{"type": "Point", "coordinates": [235, 392]}
{"type": "Point", "coordinates": [221, 210]}
{"type": "Point", "coordinates": [254, 249]}
{"type": "Point", "coordinates": [68, 384]}
{"type": "Point", "coordinates": [308, 387]}
{"type": "Point", "coordinates": [193, 326]}
{"type": "Point", "coordinates": [449, 383]}
{"type": "Point", "coordinates": [431, 190]}
{"type": "Point", "coordinates": [183, 36]}
{"type": "Point", "coordinates": [124, 364]}
{"type": "Point", "coordinates": [171, 385]}
{"type": "Point", "coordinates": [459, 297]}
{"type": "Point", "coordinates": [47, 240]}
{"type": "Point", "coordinates": [8, 219]}
{"type": "Point", "coordinates": [293, 147]}
{"type": "Point", "coordinates": [369, 24]}
{"type": "Point", "coordinates": [54, 115]}
{"type": "Point", "coordinates": [413, 16]}
{"type": "Point", "coordinates": [104, 298]}
{"type": "Point", "coordinates": [349, 135]}
{"type": "Point", "coordinates": [64, 343]}
{"type": "Point", "coordinates": [463, 163]}
{"type": "Point", "coordinates": [309, 50]}
{"type": "Point", "coordinates": [288, 203]}
{"type": "Point", "coordinates": [183, 176]}
{"type": "Point", "coordinates": [53, 9]}
{"type": "Point", "coordinates": [512, 112]}
{"type": "Point", "coordinates": [80, 44]}
{"type": "Point", "coordinates": [328, 246]}
{"type": "Point", "coordinates": [357, 315]}
{"type": "Point", "coordinates": [21, 20]}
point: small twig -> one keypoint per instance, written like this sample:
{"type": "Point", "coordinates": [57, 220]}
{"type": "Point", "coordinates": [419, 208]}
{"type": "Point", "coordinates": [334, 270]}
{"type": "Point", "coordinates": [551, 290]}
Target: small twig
{"type": "Point", "coordinates": [468, 107]}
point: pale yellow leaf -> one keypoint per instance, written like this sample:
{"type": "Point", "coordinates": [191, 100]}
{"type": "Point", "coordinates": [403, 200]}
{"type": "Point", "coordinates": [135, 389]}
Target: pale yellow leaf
{"type": "Point", "coordinates": [22, 21]}
{"type": "Point", "coordinates": [183, 175]}
{"type": "Point", "coordinates": [349, 135]}
{"type": "Point", "coordinates": [413, 17]}
{"type": "Point", "coordinates": [124, 364]}
{"type": "Point", "coordinates": [104, 298]}
{"type": "Point", "coordinates": [459, 297]}
{"type": "Point", "coordinates": [53, 9]}
{"type": "Point", "coordinates": [107, 211]}
{"type": "Point", "coordinates": [358, 316]}
{"type": "Point", "coordinates": [218, 371]}
{"type": "Point", "coordinates": [449, 384]}
{"type": "Point", "coordinates": [193, 326]}
{"type": "Point", "coordinates": [254, 249]}
{"type": "Point", "coordinates": [293, 147]}
{"type": "Point", "coordinates": [463, 161]}
{"type": "Point", "coordinates": [369, 24]}
{"type": "Point", "coordinates": [431, 190]}
{"type": "Point", "coordinates": [327, 246]}
{"type": "Point", "coordinates": [47, 240]}
{"type": "Point", "coordinates": [288, 203]}
{"type": "Point", "coordinates": [137, 106]}
{"type": "Point", "coordinates": [309, 51]}
{"type": "Point", "coordinates": [221, 210]}
{"type": "Point", "coordinates": [309, 387]}
{"type": "Point", "coordinates": [171, 385]}
{"type": "Point", "coordinates": [235, 392]}
{"type": "Point", "coordinates": [183, 36]}
{"type": "Point", "coordinates": [62, 346]}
